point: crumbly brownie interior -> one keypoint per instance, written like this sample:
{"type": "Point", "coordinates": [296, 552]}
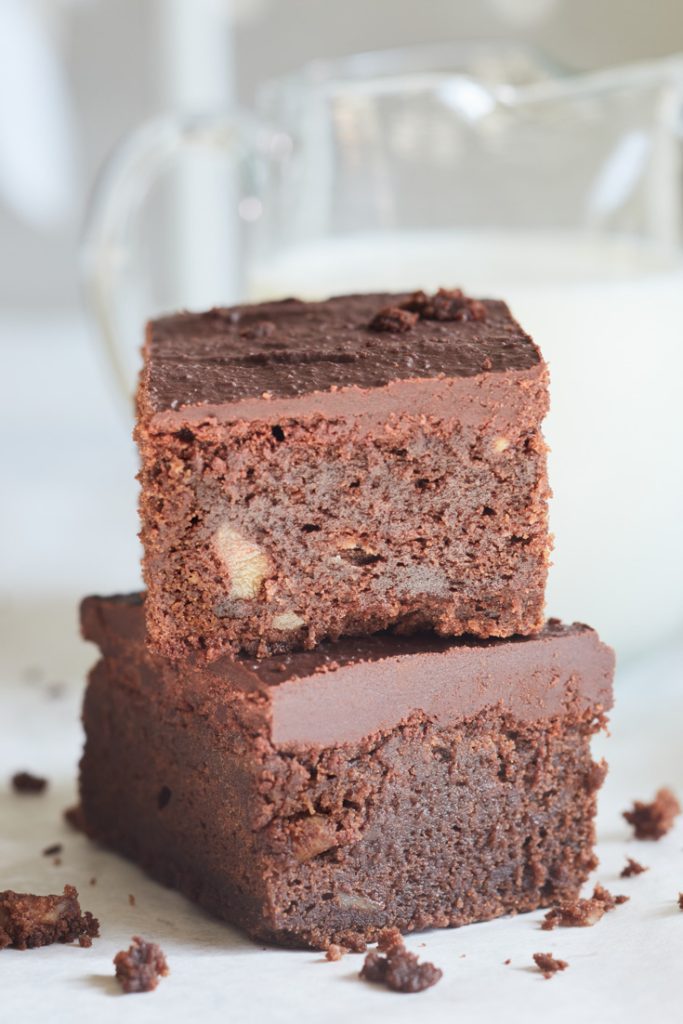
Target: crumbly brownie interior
{"type": "Point", "coordinates": [268, 538]}
{"type": "Point", "coordinates": [414, 827]}
{"type": "Point", "coordinates": [306, 477]}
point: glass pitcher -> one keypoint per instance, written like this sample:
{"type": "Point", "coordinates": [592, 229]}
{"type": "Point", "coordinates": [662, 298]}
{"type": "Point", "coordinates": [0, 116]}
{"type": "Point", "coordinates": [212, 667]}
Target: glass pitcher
{"type": "Point", "coordinates": [480, 166]}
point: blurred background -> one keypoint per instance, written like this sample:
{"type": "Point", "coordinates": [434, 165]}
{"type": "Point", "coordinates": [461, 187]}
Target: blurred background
{"type": "Point", "coordinates": [491, 111]}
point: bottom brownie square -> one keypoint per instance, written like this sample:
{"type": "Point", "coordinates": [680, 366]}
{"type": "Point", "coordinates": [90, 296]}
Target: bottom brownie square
{"type": "Point", "coordinates": [325, 795]}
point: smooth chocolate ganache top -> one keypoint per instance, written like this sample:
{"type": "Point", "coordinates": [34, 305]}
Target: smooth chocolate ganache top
{"type": "Point", "coordinates": [343, 691]}
{"type": "Point", "coordinates": [291, 348]}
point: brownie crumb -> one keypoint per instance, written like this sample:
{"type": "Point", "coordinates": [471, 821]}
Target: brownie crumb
{"type": "Point", "coordinates": [57, 861]}
{"type": "Point", "coordinates": [446, 304]}
{"type": "Point", "coordinates": [74, 816]}
{"type": "Point", "coordinates": [139, 968]}
{"type": "Point", "coordinates": [26, 782]}
{"type": "Point", "coordinates": [93, 881]}
{"type": "Point", "coordinates": [28, 921]}
{"type": "Point", "coordinates": [654, 820]}
{"type": "Point", "coordinates": [680, 900]}
{"type": "Point", "coordinates": [334, 952]}
{"type": "Point", "coordinates": [506, 962]}
{"type": "Point", "coordinates": [632, 868]}
{"type": "Point", "coordinates": [131, 899]}
{"type": "Point", "coordinates": [52, 851]}
{"type": "Point", "coordinates": [394, 319]}
{"type": "Point", "coordinates": [398, 969]}
{"type": "Point", "coordinates": [582, 913]}
{"type": "Point", "coordinates": [548, 965]}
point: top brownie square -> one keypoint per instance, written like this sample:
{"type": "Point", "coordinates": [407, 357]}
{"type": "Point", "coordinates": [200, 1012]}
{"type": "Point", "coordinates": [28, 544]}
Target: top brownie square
{"type": "Point", "coordinates": [313, 470]}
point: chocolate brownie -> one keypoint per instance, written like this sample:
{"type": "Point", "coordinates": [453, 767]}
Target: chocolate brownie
{"type": "Point", "coordinates": [321, 796]}
{"type": "Point", "coordinates": [314, 470]}
{"type": "Point", "coordinates": [28, 921]}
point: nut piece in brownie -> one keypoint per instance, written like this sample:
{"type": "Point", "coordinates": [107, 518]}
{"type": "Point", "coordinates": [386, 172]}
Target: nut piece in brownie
{"type": "Point", "coordinates": [319, 797]}
{"type": "Point", "coordinates": [327, 469]}
{"type": "Point", "coordinates": [28, 921]}
{"type": "Point", "coordinates": [139, 967]}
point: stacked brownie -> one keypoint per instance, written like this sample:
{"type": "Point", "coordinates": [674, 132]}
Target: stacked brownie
{"type": "Point", "coordinates": [338, 708]}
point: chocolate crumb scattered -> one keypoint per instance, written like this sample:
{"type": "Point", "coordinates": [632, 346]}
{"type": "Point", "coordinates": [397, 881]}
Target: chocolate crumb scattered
{"type": "Point", "coordinates": [57, 861]}
{"type": "Point", "coordinates": [74, 816]}
{"type": "Point", "coordinates": [51, 851]}
{"type": "Point", "coordinates": [139, 968]}
{"type": "Point", "coordinates": [548, 965]}
{"type": "Point", "coordinates": [506, 962]}
{"type": "Point", "coordinates": [334, 952]}
{"type": "Point", "coordinates": [680, 901]}
{"type": "Point", "coordinates": [394, 320]}
{"type": "Point", "coordinates": [93, 881]}
{"type": "Point", "coordinates": [131, 899]}
{"type": "Point", "coordinates": [28, 921]}
{"type": "Point", "coordinates": [632, 868]}
{"type": "Point", "coordinates": [582, 913]}
{"type": "Point", "coordinates": [446, 304]}
{"type": "Point", "coordinates": [26, 782]}
{"type": "Point", "coordinates": [653, 820]}
{"type": "Point", "coordinates": [398, 969]}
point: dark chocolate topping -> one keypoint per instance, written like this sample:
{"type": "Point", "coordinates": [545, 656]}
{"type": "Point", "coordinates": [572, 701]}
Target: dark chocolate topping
{"type": "Point", "coordinates": [292, 348]}
{"type": "Point", "coordinates": [355, 687]}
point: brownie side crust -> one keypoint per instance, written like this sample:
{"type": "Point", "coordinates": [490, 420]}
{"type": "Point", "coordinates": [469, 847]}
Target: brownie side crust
{"type": "Point", "coordinates": [431, 820]}
{"type": "Point", "coordinates": [288, 498]}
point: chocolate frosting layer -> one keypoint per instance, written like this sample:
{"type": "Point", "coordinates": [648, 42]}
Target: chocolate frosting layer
{"type": "Point", "coordinates": [356, 687]}
{"type": "Point", "coordinates": [290, 348]}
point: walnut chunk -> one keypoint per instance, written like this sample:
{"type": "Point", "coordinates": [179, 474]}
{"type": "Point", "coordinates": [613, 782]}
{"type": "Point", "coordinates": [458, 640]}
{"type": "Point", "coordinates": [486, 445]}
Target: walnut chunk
{"type": "Point", "coordinates": [313, 836]}
{"type": "Point", "coordinates": [287, 621]}
{"type": "Point", "coordinates": [246, 562]}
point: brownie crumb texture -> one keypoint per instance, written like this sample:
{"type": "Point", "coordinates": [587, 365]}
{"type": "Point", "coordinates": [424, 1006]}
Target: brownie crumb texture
{"type": "Point", "coordinates": [446, 304]}
{"type": "Point", "coordinates": [53, 850]}
{"type": "Point", "coordinates": [632, 868]}
{"type": "Point", "coordinates": [139, 968]}
{"type": "Point", "coordinates": [28, 921]}
{"type": "Point", "coordinates": [548, 965]}
{"type": "Point", "coordinates": [131, 899]}
{"type": "Point", "coordinates": [654, 820]}
{"type": "Point", "coordinates": [334, 952]}
{"type": "Point", "coordinates": [398, 969]}
{"type": "Point", "coordinates": [74, 816]}
{"type": "Point", "coordinates": [680, 901]}
{"type": "Point", "coordinates": [582, 913]}
{"type": "Point", "coordinates": [26, 782]}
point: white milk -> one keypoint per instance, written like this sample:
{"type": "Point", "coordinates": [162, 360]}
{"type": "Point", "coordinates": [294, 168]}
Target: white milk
{"type": "Point", "coordinates": [610, 324]}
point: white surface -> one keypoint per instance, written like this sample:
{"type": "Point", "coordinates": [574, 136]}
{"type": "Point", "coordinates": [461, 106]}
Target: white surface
{"type": "Point", "coordinates": [620, 970]}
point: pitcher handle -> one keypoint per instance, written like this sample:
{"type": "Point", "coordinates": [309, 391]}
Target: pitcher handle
{"type": "Point", "coordinates": [120, 190]}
